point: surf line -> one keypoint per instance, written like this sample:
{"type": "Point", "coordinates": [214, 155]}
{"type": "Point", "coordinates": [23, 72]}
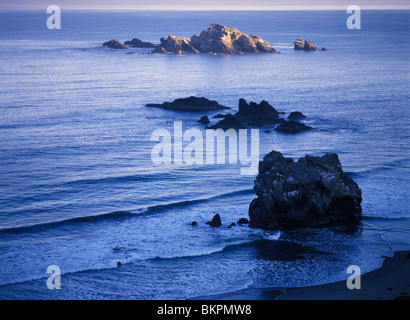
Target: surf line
{"type": "Point", "coordinates": [200, 150]}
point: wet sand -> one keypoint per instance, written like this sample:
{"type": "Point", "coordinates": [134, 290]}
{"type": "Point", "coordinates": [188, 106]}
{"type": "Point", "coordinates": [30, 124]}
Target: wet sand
{"type": "Point", "coordinates": [390, 282]}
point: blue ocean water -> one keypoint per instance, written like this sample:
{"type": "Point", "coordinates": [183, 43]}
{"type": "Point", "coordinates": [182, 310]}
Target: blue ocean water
{"type": "Point", "coordinates": [79, 189]}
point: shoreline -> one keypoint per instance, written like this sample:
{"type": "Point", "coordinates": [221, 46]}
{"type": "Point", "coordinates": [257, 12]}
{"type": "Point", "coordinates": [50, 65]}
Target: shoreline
{"type": "Point", "coordinates": [389, 282]}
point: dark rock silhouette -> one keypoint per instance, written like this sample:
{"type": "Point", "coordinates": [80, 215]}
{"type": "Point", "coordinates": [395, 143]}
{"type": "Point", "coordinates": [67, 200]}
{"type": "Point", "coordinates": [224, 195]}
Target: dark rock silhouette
{"type": "Point", "coordinates": [256, 114]}
{"type": "Point", "coordinates": [216, 221]}
{"type": "Point", "coordinates": [292, 127]}
{"type": "Point", "coordinates": [137, 43]}
{"type": "Point", "coordinates": [190, 104]}
{"type": "Point", "coordinates": [229, 122]}
{"type": "Point", "coordinates": [204, 120]}
{"type": "Point", "coordinates": [296, 115]}
{"type": "Point", "coordinates": [243, 221]}
{"type": "Point", "coordinates": [115, 44]}
{"type": "Point", "coordinates": [312, 192]}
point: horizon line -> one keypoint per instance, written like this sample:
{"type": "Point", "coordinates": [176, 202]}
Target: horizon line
{"type": "Point", "coordinates": [244, 8]}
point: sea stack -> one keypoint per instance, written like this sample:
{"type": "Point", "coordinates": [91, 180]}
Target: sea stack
{"type": "Point", "coordinates": [311, 192]}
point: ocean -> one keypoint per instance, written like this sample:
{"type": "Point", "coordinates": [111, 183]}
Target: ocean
{"type": "Point", "coordinates": [79, 189]}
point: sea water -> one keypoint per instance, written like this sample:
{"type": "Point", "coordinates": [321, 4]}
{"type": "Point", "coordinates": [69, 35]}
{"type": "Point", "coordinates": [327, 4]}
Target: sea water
{"type": "Point", "coordinates": [79, 189]}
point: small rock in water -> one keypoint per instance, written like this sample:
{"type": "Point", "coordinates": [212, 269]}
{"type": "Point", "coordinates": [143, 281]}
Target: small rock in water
{"type": "Point", "coordinates": [194, 223]}
{"type": "Point", "coordinates": [243, 221]}
{"type": "Point", "coordinates": [204, 120]}
{"type": "Point", "coordinates": [216, 221]}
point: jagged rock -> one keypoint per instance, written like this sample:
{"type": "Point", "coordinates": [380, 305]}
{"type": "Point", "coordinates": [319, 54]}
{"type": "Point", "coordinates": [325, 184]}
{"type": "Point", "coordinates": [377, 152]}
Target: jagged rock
{"type": "Point", "coordinates": [242, 221]}
{"type": "Point", "coordinates": [216, 221]}
{"type": "Point", "coordinates": [256, 114]}
{"type": "Point", "coordinates": [292, 127]}
{"type": "Point", "coordinates": [137, 43]}
{"type": "Point", "coordinates": [304, 45]}
{"type": "Point", "coordinates": [296, 115]}
{"type": "Point", "coordinates": [216, 39]}
{"type": "Point", "coordinates": [175, 44]}
{"type": "Point", "coordinates": [229, 122]}
{"type": "Point", "coordinates": [233, 224]}
{"type": "Point", "coordinates": [115, 44]}
{"type": "Point", "coordinates": [312, 192]}
{"type": "Point", "coordinates": [204, 120]}
{"type": "Point", "coordinates": [190, 104]}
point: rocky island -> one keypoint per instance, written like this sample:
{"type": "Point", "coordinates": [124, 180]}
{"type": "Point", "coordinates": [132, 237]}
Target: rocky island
{"type": "Point", "coordinates": [190, 104]}
{"type": "Point", "coordinates": [216, 39]}
{"type": "Point", "coordinates": [311, 192]}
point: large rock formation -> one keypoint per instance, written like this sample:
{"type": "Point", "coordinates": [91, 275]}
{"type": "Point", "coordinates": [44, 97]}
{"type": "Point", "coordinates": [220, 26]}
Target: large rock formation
{"type": "Point", "coordinates": [256, 114]}
{"type": "Point", "coordinates": [137, 43]}
{"type": "Point", "coordinates": [301, 44]}
{"type": "Point", "coordinates": [190, 104]}
{"type": "Point", "coordinates": [115, 44]}
{"type": "Point", "coordinates": [216, 39]}
{"type": "Point", "coordinates": [312, 192]}
{"type": "Point", "coordinates": [175, 45]}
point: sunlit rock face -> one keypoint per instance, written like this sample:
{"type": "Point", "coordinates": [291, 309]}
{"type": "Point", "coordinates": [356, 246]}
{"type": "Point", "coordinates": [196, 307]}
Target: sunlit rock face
{"type": "Point", "coordinates": [217, 39]}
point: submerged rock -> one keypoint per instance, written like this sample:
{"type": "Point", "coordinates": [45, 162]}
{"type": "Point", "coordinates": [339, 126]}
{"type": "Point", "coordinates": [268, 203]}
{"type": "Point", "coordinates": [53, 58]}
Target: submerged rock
{"type": "Point", "coordinates": [292, 127]}
{"type": "Point", "coordinates": [137, 43]}
{"type": "Point", "coordinates": [301, 44]}
{"type": "Point", "coordinates": [216, 221]}
{"type": "Point", "coordinates": [190, 104]}
{"type": "Point", "coordinates": [229, 122]}
{"type": "Point", "coordinates": [312, 192]}
{"type": "Point", "coordinates": [216, 39]}
{"type": "Point", "coordinates": [256, 114]}
{"type": "Point", "coordinates": [115, 44]}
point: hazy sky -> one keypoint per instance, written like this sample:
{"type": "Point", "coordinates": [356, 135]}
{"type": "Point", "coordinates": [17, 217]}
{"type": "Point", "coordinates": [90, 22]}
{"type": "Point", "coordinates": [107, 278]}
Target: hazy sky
{"type": "Point", "coordinates": [204, 4]}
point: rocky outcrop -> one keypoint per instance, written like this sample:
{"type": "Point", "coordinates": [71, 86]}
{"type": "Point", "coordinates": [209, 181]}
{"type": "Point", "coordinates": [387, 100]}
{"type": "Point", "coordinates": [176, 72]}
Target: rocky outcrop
{"type": "Point", "coordinates": [296, 115]}
{"type": "Point", "coordinates": [242, 221]}
{"type": "Point", "coordinates": [204, 120]}
{"type": "Point", "coordinates": [175, 44]}
{"type": "Point", "coordinates": [229, 122]}
{"type": "Point", "coordinates": [312, 192]}
{"type": "Point", "coordinates": [256, 114]}
{"type": "Point", "coordinates": [190, 104]}
{"type": "Point", "coordinates": [214, 40]}
{"type": "Point", "coordinates": [292, 127]}
{"type": "Point", "coordinates": [137, 43]}
{"type": "Point", "coordinates": [115, 44]}
{"type": "Point", "coordinates": [300, 44]}
{"type": "Point", "coordinates": [216, 221]}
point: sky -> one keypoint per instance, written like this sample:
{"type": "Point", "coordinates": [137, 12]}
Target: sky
{"type": "Point", "coordinates": [207, 4]}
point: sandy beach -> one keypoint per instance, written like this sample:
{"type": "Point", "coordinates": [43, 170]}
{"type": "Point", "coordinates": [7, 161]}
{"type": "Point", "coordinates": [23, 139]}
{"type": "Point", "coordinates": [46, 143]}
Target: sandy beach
{"type": "Point", "coordinates": [390, 282]}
